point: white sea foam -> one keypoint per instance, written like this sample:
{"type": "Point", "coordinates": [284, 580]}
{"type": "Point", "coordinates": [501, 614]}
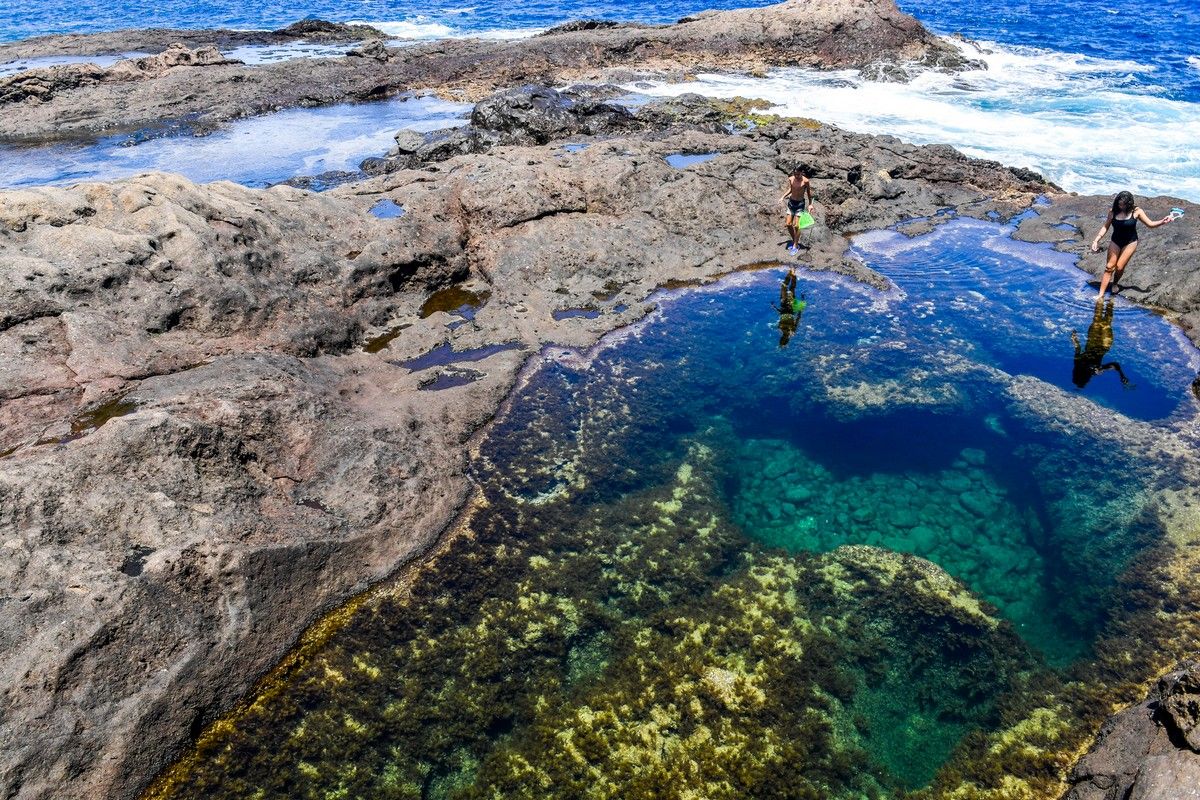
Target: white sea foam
{"type": "Point", "coordinates": [1075, 119]}
{"type": "Point", "coordinates": [1194, 62]}
{"type": "Point", "coordinates": [267, 54]}
{"type": "Point", "coordinates": [407, 29]}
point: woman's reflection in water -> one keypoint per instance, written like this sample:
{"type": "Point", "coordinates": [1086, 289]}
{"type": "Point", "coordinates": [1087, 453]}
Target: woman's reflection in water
{"type": "Point", "coordinates": [790, 308]}
{"type": "Point", "coordinates": [1089, 359]}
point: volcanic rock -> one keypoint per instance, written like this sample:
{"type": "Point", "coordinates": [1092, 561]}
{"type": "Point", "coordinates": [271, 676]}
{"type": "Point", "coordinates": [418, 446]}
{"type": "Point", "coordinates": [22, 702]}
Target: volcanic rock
{"type": "Point", "coordinates": [156, 40]}
{"type": "Point", "coordinates": [1141, 752]}
{"type": "Point", "coordinates": [42, 85]}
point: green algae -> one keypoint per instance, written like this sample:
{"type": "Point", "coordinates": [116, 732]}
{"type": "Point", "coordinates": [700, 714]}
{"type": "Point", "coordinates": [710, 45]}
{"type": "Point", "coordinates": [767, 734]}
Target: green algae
{"type": "Point", "coordinates": [639, 651]}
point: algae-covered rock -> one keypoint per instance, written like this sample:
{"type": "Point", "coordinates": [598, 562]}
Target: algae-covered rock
{"type": "Point", "coordinates": [633, 646]}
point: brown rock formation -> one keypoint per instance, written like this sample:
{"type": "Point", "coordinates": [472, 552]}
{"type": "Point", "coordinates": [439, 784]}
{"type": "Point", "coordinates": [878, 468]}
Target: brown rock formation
{"type": "Point", "coordinates": [1150, 751]}
{"type": "Point", "coordinates": [155, 40]}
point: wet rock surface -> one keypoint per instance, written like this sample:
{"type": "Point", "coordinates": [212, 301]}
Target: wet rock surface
{"type": "Point", "coordinates": [829, 34]}
{"type": "Point", "coordinates": [1148, 751]}
{"type": "Point", "coordinates": [187, 360]}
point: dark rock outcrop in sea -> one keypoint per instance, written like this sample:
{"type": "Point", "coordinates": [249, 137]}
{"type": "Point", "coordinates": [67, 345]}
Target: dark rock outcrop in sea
{"type": "Point", "coordinates": [199, 457]}
{"type": "Point", "coordinates": [827, 34]}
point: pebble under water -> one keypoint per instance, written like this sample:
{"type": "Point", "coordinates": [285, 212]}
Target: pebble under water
{"type": "Point", "coordinates": [881, 548]}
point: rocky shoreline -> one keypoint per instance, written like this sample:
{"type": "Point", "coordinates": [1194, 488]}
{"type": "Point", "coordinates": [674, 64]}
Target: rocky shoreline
{"type": "Point", "coordinates": [57, 102]}
{"type": "Point", "coordinates": [228, 379]}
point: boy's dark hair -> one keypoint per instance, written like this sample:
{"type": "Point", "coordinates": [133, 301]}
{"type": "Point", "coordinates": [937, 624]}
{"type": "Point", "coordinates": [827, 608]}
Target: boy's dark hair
{"type": "Point", "coordinates": [802, 169]}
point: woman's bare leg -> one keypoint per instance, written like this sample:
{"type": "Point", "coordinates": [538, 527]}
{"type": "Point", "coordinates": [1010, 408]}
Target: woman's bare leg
{"type": "Point", "coordinates": [1122, 260]}
{"type": "Point", "coordinates": [1114, 253]}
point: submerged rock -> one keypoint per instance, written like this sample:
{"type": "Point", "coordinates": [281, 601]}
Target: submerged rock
{"type": "Point", "coordinates": [715, 671]}
{"type": "Point", "coordinates": [1145, 752]}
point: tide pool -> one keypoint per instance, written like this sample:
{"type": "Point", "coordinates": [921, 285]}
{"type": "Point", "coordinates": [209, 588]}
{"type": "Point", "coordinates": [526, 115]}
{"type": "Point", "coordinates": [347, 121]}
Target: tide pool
{"type": "Point", "coordinates": [709, 557]}
{"type": "Point", "coordinates": [254, 152]}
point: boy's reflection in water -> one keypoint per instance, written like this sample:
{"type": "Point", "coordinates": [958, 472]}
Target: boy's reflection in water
{"type": "Point", "coordinates": [1089, 359]}
{"type": "Point", "coordinates": [789, 307]}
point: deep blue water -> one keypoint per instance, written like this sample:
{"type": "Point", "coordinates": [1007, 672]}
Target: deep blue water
{"type": "Point", "coordinates": [889, 418]}
{"type": "Point", "coordinates": [1162, 34]}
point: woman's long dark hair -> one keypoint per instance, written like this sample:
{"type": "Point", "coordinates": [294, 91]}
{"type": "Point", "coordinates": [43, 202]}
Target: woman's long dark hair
{"type": "Point", "coordinates": [1120, 199]}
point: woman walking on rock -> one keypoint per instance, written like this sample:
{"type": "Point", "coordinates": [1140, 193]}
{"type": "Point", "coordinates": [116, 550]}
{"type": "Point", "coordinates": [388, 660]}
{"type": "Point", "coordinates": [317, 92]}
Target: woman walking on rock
{"type": "Point", "coordinates": [1123, 219]}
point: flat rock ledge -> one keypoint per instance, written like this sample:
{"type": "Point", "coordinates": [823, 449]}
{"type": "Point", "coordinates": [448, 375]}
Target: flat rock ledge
{"type": "Point", "coordinates": [155, 40]}
{"type": "Point", "coordinates": [824, 34]}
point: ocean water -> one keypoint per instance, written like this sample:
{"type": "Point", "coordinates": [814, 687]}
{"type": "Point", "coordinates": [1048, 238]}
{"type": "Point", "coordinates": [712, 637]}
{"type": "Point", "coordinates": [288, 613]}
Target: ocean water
{"type": "Point", "coordinates": [743, 554]}
{"type": "Point", "coordinates": [1096, 107]}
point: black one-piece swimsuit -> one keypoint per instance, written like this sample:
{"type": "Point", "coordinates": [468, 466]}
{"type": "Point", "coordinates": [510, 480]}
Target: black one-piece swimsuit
{"type": "Point", "coordinates": [1124, 231]}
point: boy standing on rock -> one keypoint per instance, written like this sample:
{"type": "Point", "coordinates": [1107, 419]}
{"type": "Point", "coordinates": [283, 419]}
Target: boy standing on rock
{"type": "Point", "coordinates": [799, 200]}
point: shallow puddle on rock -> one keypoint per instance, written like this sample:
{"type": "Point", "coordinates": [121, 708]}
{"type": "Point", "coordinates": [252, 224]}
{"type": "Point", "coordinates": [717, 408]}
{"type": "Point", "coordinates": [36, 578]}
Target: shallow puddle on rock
{"type": "Point", "coordinates": [821, 569]}
{"type": "Point", "coordinates": [451, 379]}
{"type": "Point", "coordinates": [575, 313]}
{"type": "Point", "coordinates": [380, 342]}
{"type": "Point", "coordinates": [445, 354]}
{"type": "Point", "coordinates": [97, 417]}
{"type": "Point", "coordinates": [455, 300]}
{"type": "Point", "coordinates": [387, 209]}
{"type": "Point", "coordinates": [683, 160]}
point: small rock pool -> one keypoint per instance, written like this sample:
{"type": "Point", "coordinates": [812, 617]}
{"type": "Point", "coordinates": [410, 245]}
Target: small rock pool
{"type": "Point", "coordinates": [904, 540]}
